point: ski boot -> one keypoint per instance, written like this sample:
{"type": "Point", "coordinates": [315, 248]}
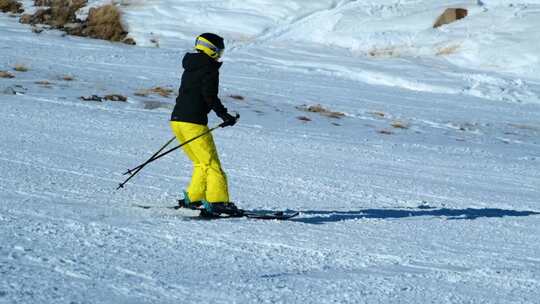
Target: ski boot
{"type": "Point", "coordinates": [213, 210]}
{"type": "Point", "coordinates": [187, 203]}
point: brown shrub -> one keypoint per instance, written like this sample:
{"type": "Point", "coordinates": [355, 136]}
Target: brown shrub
{"type": "Point", "coordinates": [43, 2]}
{"type": "Point", "coordinates": [58, 14]}
{"type": "Point", "coordinates": [105, 23]}
{"type": "Point", "coordinates": [4, 74]}
{"type": "Point", "coordinates": [321, 110]}
{"type": "Point", "coordinates": [450, 15]}
{"type": "Point", "coordinates": [11, 6]}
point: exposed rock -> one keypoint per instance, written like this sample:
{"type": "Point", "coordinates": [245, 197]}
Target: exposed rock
{"type": "Point", "coordinates": [4, 74]}
{"type": "Point", "coordinates": [92, 98]}
{"type": "Point", "coordinates": [450, 15]}
{"type": "Point", "coordinates": [115, 97]}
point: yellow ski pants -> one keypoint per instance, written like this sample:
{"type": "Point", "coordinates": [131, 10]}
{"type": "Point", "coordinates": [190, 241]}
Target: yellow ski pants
{"type": "Point", "coordinates": [208, 181]}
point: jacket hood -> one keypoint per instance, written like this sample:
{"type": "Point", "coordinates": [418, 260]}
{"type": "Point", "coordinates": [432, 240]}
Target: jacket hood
{"type": "Point", "coordinates": [195, 61]}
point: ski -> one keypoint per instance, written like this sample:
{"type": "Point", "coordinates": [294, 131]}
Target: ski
{"type": "Point", "coordinates": [252, 214]}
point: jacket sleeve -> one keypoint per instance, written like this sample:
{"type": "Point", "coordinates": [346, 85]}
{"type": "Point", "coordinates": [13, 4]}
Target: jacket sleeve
{"type": "Point", "coordinates": [210, 87]}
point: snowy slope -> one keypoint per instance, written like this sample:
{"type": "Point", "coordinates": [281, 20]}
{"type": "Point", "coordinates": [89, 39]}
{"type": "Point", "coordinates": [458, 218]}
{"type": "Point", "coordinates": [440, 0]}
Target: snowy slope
{"type": "Point", "coordinates": [496, 36]}
{"type": "Point", "coordinates": [444, 211]}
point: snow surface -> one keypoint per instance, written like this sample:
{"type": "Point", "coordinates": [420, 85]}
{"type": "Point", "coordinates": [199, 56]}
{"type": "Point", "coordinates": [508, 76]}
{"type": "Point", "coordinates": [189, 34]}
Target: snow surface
{"type": "Point", "coordinates": [444, 211]}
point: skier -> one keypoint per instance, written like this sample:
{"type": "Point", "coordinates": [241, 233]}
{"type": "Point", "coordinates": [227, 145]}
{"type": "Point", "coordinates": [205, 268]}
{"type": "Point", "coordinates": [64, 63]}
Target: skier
{"type": "Point", "coordinates": [197, 96]}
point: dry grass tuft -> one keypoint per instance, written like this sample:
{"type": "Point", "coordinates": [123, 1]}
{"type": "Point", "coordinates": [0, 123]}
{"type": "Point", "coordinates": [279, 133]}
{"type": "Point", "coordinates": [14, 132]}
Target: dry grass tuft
{"type": "Point", "coordinates": [399, 124]}
{"type": "Point", "coordinates": [164, 92]}
{"type": "Point", "coordinates": [321, 110]}
{"type": "Point", "coordinates": [43, 82]}
{"type": "Point", "coordinates": [377, 113]}
{"type": "Point", "coordinates": [448, 50]}
{"type": "Point", "coordinates": [104, 22]}
{"type": "Point", "coordinates": [20, 68]}
{"type": "Point", "coordinates": [11, 6]}
{"type": "Point", "coordinates": [4, 74]}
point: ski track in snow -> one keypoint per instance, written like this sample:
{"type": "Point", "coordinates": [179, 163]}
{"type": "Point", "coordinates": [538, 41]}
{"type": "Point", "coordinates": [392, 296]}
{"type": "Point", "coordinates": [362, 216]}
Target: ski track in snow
{"type": "Point", "coordinates": [445, 211]}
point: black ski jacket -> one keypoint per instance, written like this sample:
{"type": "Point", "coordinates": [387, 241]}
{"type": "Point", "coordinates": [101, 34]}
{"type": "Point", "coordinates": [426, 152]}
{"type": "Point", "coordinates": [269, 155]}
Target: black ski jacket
{"type": "Point", "coordinates": [198, 90]}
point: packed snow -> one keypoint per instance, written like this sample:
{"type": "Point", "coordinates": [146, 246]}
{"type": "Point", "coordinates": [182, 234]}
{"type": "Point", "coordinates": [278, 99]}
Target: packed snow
{"type": "Point", "coordinates": [426, 190]}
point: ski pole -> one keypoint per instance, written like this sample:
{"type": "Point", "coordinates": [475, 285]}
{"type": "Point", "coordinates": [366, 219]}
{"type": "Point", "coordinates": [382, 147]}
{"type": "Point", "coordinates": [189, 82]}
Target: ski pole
{"type": "Point", "coordinates": [223, 124]}
{"type": "Point", "coordinates": [130, 171]}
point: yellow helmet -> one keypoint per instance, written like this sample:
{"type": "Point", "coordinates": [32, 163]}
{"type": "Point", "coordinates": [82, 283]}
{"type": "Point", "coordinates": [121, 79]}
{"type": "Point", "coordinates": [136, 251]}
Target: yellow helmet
{"type": "Point", "coordinates": [210, 44]}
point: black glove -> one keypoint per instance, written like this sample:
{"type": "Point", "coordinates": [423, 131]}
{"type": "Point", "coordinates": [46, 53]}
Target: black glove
{"type": "Point", "coordinates": [228, 119]}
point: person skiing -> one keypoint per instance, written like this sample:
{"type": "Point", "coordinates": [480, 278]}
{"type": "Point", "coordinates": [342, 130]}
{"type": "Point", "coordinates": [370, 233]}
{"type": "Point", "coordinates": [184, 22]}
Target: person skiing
{"type": "Point", "coordinates": [198, 95]}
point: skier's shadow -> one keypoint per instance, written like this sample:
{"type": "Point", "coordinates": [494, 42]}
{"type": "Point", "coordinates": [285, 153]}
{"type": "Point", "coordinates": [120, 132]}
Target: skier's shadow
{"type": "Point", "coordinates": [321, 217]}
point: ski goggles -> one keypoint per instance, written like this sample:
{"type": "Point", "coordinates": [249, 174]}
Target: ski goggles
{"type": "Point", "coordinates": [208, 48]}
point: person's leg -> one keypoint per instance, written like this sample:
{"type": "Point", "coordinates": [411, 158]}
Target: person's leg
{"type": "Point", "coordinates": [216, 183]}
{"type": "Point", "coordinates": [208, 166]}
{"type": "Point", "coordinates": [185, 131]}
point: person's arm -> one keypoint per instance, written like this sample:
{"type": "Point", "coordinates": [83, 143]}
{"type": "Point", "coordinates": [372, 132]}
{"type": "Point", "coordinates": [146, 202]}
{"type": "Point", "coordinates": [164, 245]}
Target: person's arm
{"type": "Point", "coordinates": [210, 87]}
